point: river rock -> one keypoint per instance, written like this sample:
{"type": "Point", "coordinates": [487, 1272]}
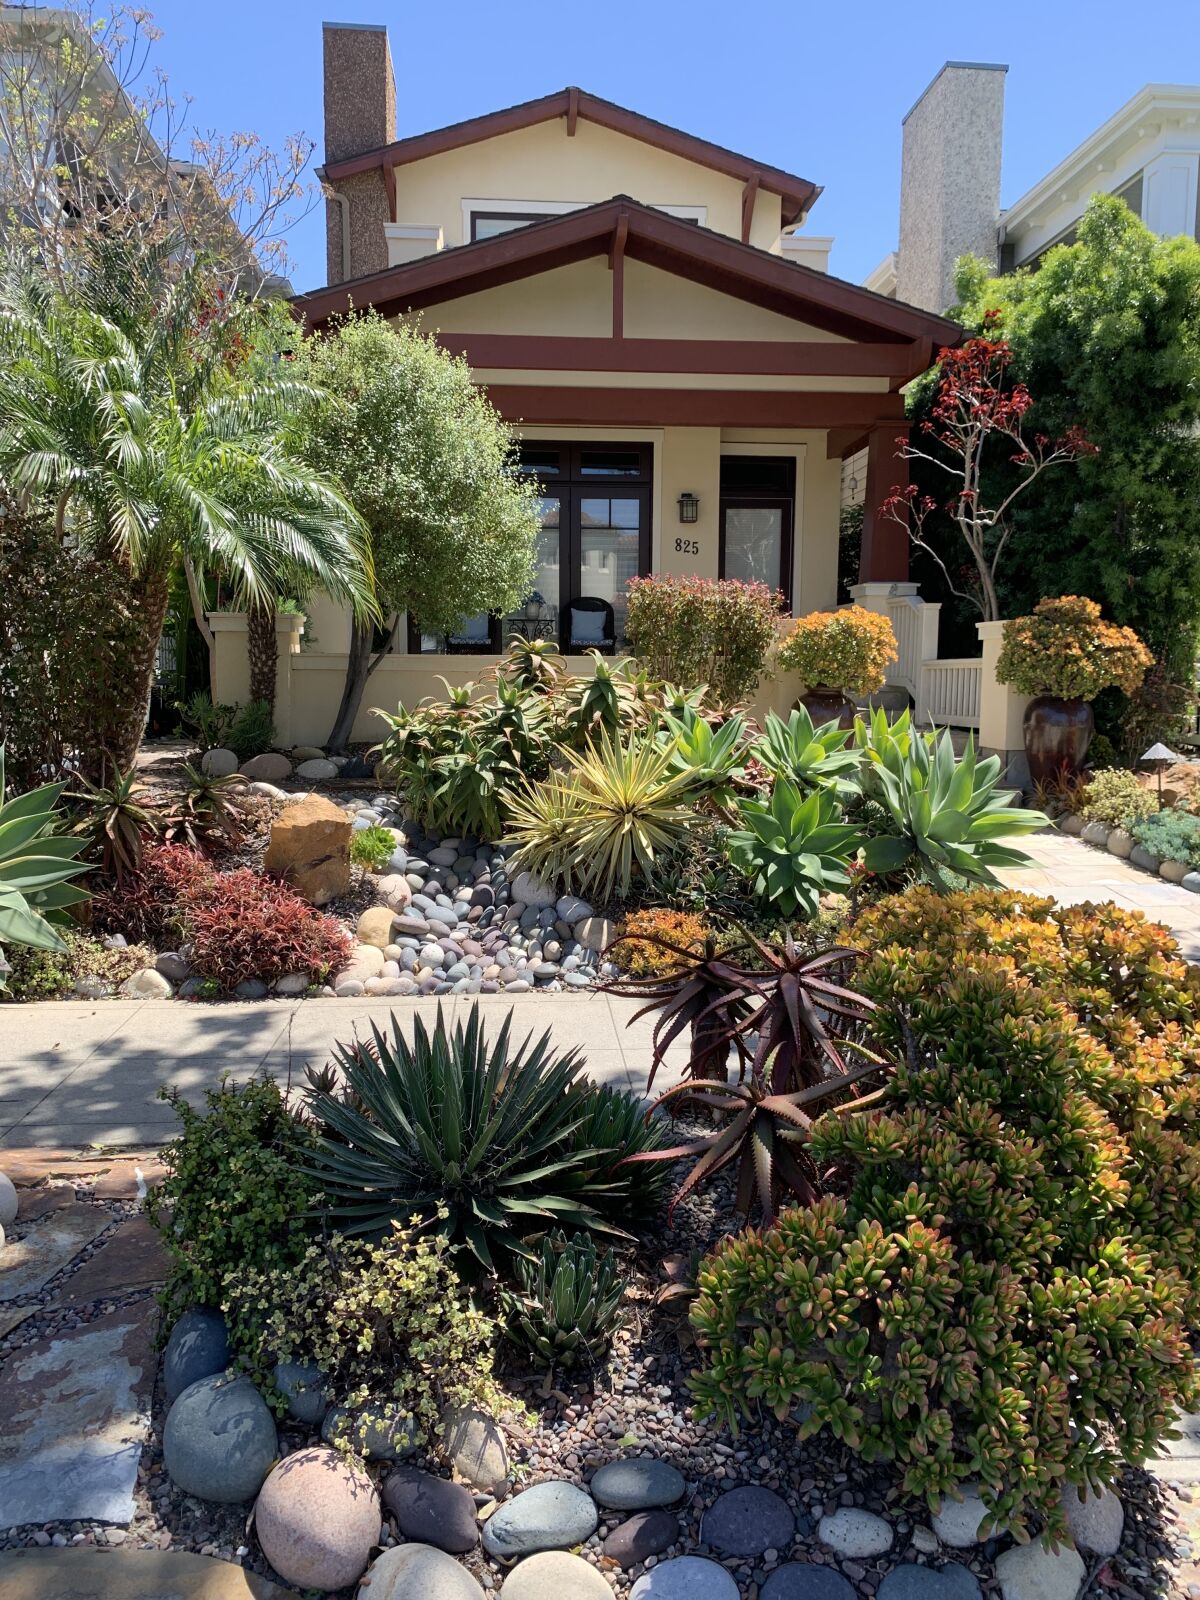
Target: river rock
{"type": "Point", "coordinates": [550, 1516]}
{"type": "Point", "coordinates": [572, 909]}
{"type": "Point", "coordinates": [911, 1582]}
{"type": "Point", "coordinates": [1096, 1523]}
{"type": "Point", "coordinates": [380, 1432]}
{"type": "Point", "coordinates": [174, 967]}
{"type": "Point", "coordinates": [804, 1580]}
{"type": "Point", "coordinates": [475, 1447]}
{"type": "Point", "coordinates": [855, 1534]}
{"type": "Point", "coordinates": [310, 849]}
{"type": "Point", "coordinates": [648, 1533]}
{"type": "Point", "coordinates": [748, 1520]}
{"type": "Point", "coordinates": [317, 770]}
{"type": "Point", "coordinates": [8, 1201]}
{"type": "Point", "coordinates": [1120, 843]}
{"type": "Point", "coordinates": [531, 891]}
{"type": "Point", "coordinates": [317, 1518]}
{"type": "Point", "coordinates": [218, 763]}
{"type": "Point", "coordinates": [270, 767]}
{"type": "Point", "coordinates": [555, 1575]}
{"type": "Point", "coordinates": [198, 1348]}
{"type": "Point", "coordinates": [637, 1484]}
{"type": "Point", "coordinates": [375, 926]}
{"type": "Point", "coordinates": [685, 1578]}
{"type": "Point", "coordinates": [958, 1522]}
{"type": "Point", "coordinates": [302, 1385]}
{"type": "Point", "coordinates": [394, 891]}
{"type": "Point", "coordinates": [1139, 856]}
{"type": "Point", "coordinates": [147, 984]}
{"type": "Point", "coordinates": [219, 1440]}
{"type": "Point", "coordinates": [293, 983]}
{"type": "Point", "coordinates": [1031, 1572]}
{"type": "Point", "coordinates": [1095, 833]}
{"type": "Point", "coordinates": [432, 1510]}
{"type": "Point", "coordinates": [419, 1572]}
{"type": "Point", "coordinates": [595, 933]}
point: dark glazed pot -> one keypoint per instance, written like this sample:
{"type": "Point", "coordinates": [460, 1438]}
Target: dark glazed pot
{"type": "Point", "coordinates": [1057, 735]}
{"type": "Point", "coordinates": [828, 705]}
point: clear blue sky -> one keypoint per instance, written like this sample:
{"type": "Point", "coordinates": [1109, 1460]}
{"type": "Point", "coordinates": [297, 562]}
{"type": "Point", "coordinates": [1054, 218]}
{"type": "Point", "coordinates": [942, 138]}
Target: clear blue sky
{"type": "Point", "coordinates": [818, 89]}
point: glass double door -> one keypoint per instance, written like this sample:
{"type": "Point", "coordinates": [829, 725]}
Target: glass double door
{"type": "Point", "coordinates": [591, 543]}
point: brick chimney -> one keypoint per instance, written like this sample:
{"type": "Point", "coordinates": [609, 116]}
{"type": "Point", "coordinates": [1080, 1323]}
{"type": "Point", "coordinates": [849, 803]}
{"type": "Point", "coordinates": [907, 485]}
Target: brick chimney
{"type": "Point", "coordinates": [950, 180]}
{"type": "Point", "coordinates": [360, 114]}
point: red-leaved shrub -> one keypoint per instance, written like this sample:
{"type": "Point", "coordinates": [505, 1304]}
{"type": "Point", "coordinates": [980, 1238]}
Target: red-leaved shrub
{"type": "Point", "coordinates": [243, 926]}
{"type": "Point", "coordinates": [149, 907]}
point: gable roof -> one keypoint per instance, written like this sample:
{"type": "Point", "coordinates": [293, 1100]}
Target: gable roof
{"type": "Point", "coordinates": [797, 194]}
{"type": "Point", "coordinates": [644, 234]}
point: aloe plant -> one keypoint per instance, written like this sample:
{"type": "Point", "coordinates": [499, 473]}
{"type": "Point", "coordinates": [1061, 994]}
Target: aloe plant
{"type": "Point", "coordinates": [114, 824]}
{"type": "Point", "coordinates": [566, 1306]}
{"type": "Point", "coordinates": [809, 756]}
{"type": "Point", "coordinates": [793, 847]}
{"type": "Point", "coordinates": [947, 813]}
{"type": "Point", "coordinates": [37, 865]}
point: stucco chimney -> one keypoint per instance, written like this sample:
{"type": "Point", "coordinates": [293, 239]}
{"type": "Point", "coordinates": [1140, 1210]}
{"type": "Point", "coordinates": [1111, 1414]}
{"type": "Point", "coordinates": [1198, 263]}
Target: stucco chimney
{"type": "Point", "coordinates": [360, 114]}
{"type": "Point", "coordinates": [950, 180]}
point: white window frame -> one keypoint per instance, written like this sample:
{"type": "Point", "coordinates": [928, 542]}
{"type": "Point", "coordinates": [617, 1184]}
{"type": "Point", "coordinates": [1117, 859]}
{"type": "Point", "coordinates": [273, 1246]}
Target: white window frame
{"type": "Point", "coordinates": [558, 208]}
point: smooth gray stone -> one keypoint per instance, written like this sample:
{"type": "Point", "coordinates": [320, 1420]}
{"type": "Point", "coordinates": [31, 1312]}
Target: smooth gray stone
{"type": "Point", "coordinates": [748, 1520]}
{"type": "Point", "coordinates": [1139, 856]}
{"type": "Point", "coordinates": [911, 1582]}
{"type": "Point", "coordinates": [685, 1578]}
{"type": "Point", "coordinates": [637, 1483]}
{"type": "Point", "coordinates": [251, 989]}
{"type": "Point", "coordinates": [804, 1580]}
{"type": "Point", "coordinates": [303, 1387]}
{"type": "Point", "coordinates": [550, 1516]}
{"type": "Point", "coordinates": [219, 1441]}
{"type": "Point", "coordinates": [419, 1572]}
{"type": "Point", "coordinates": [198, 1348]}
{"type": "Point", "coordinates": [432, 1510]}
{"type": "Point", "coordinates": [646, 1533]}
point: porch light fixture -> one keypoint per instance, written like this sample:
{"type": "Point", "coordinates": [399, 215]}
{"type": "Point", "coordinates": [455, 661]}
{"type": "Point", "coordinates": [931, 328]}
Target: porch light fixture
{"type": "Point", "coordinates": [689, 507]}
{"type": "Point", "coordinates": [1158, 756]}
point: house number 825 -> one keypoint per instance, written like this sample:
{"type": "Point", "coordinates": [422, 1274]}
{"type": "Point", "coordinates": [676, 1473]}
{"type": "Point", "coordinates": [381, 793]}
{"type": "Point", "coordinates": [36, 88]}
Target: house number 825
{"type": "Point", "coordinates": [688, 547]}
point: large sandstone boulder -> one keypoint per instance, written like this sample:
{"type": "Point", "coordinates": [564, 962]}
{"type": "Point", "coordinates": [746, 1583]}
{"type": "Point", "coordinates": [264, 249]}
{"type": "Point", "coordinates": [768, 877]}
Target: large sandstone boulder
{"type": "Point", "coordinates": [310, 849]}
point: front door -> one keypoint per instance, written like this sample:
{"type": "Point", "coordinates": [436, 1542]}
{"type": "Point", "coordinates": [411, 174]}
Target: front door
{"type": "Point", "coordinates": [757, 514]}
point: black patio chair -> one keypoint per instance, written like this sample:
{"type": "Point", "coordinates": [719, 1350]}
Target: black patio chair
{"type": "Point", "coordinates": [589, 624]}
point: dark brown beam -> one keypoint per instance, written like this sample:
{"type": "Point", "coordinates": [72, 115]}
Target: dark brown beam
{"type": "Point", "coordinates": [786, 358]}
{"type": "Point", "coordinates": [749, 196]}
{"type": "Point", "coordinates": [706, 408]}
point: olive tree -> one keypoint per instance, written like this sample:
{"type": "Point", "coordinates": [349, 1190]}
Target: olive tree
{"type": "Point", "coordinates": [428, 464]}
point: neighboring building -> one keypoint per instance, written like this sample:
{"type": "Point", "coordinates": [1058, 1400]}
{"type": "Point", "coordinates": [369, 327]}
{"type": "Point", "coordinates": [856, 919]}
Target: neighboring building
{"type": "Point", "coordinates": [1148, 153]}
{"type": "Point", "coordinates": [685, 376]}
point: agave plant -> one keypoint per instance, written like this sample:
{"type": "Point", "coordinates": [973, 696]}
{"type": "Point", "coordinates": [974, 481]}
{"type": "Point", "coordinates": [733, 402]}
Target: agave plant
{"type": "Point", "coordinates": [114, 824]}
{"type": "Point", "coordinates": [481, 1142]}
{"type": "Point", "coordinates": [948, 813]}
{"type": "Point", "coordinates": [808, 756]}
{"type": "Point", "coordinates": [793, 847]}
{"type": "Point", "coordinates": [205, 816]}
{"type": "Point", "coordinates": [37, 865]}
{"type": "Point", "coordinates": [566, 1306]}
{"type": "Point", "coordinates": [615, 1125]}
{"type": "Point", "coordinates": [710, 758]}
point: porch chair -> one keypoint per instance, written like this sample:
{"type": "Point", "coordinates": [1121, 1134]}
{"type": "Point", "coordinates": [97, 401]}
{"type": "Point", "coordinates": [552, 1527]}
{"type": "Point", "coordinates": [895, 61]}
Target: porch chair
{"type": "Point", "coordinates": [474, 637]}
{"type": "Point", "coordinates": [591, 624]}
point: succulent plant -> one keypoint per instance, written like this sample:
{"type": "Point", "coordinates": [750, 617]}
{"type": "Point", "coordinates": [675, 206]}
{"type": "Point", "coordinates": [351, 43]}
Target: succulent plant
{"type": "Point", "coordinates": [566, 1306]}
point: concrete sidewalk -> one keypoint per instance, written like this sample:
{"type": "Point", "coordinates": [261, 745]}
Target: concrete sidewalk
{"type": "Point", "coordinates": [88, 1072]}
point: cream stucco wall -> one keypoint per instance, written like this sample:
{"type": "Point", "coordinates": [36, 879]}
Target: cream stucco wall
{"type": "Point", "coordinates": [542, 163]}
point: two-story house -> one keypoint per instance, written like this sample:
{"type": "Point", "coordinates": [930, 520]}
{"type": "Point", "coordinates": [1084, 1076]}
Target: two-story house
{"type": "Point", "coordinates": [684, 375]}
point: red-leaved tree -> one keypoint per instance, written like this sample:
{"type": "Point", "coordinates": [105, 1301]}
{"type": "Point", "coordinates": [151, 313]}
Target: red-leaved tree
{"type": "Point", "coordinates": [978, 408]}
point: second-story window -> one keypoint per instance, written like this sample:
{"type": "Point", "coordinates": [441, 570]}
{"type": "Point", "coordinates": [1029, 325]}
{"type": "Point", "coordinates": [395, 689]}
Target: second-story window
{"type": "Point", "coordinates": [487, 224]}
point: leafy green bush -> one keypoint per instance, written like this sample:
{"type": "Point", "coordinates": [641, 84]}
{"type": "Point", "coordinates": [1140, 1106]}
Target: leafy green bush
{"type": "Point", "coordinates": [848, 649]}
{"type": "Point", "coordinates": [236, 1193]}
{"type": "Point", "coordinates": [793, 847]}
{"type": "Point", "coordinates": [703, 630]}
{"type": "Point", "coordinates": [248, 730]}
{"type": "Point", "coordinates": [1006, 1290]}
{"type": "Point", "coordinates": [480, 1142]}
{"type": "Point", "coordinates": [387, 1323]}
{"type": "Point", "coordinates": [372, 847]}
{"type": "Point", "coordinates": [566, 1306]}
{"type": "Point", "coordinates": [49, 974]}
{"type": "Point", "coordinates": [1170, 835]}
{"type": "Point", "coordinates": [1116, 798]}
{"type": "Point", "coordinates": [252, 731]}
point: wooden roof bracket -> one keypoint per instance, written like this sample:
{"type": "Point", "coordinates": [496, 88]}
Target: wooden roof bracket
{"type": "Point", "coordinates": [749, 196]}
{"type": "Point", "coordinates": [572, 111]}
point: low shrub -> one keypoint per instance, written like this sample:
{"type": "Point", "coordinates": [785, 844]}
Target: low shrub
{"type": "Point", "coordinates": [1170, 835]}
{"type": "Point", "coordinates": [848, 649]}
{"type": "Point", "coordinates": [236, 1195]}
{"type": "Point", "coordinates": [372, 847]}
{"type": "Point", "coordinates": [642, 959]}
{"type": "Point", "coordinates": [387, 1323]}
{"type": "Point", "coordinates": [50, 974]}
{"type": "Point", "coordinates": [243, 925]}
{"type": "Point", "coordinates": [566, 1306]}
{"type": "Point", "coordinates": [1115, 797]}
{"type": "Point", "coordinates": [149, 908]}
{"type": "Point", "coordinates": [1065, 649]}
{"type": "Point", "coordinates": [1006, 1289]}
{"type": "Point", "coordinates": [703, 630]}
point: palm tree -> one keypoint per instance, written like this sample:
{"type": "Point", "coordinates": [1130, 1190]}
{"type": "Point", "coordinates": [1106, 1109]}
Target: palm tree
{"type": "Point", "coordinates": [144, 416]}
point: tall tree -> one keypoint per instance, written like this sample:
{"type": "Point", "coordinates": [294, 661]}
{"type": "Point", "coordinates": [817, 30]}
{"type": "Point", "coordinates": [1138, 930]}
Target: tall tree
{"type": "Point", "coordinates": [131, 410]}
{"type": "Point", "coordinates": [428, 463]}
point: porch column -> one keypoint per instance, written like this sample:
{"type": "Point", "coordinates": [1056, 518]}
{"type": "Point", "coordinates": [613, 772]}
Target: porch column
{"type": "Point", "coordinates": [884, 554]}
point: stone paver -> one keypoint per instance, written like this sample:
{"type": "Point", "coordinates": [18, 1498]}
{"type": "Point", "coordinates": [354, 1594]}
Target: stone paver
{"type": "Point", "coordinates": [76, 1413]}
{"type": "Point", "coordinates": [50, 1244]}
{"type": "Point", "coordinates": [128, 1575]}
{"type": "Point", "coordinates": [131, 1258]}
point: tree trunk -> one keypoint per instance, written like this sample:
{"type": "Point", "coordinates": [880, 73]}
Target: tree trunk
{"type": "Point", "coordinates": [359, 667]}
{"type": "Point", "coordinates": [149, 598]}
{"type": "Point", "coordinates": [263, 652]}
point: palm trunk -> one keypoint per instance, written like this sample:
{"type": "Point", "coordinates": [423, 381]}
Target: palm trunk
{"type": "Point", "coordinates": [359, 667]}
{"type": "Point", "coordinates": [149, 598]}
{"type": "Point", "coordinates": [263, 652]}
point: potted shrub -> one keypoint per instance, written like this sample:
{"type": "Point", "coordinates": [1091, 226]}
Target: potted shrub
{"type": "Point", "coordinates": [1063, 655]}
{"type": "Point", "coordinates": [837, 654]}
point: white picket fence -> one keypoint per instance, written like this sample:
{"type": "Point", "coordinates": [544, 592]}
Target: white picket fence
{"type": "Point", "coordinates": [945, 692]}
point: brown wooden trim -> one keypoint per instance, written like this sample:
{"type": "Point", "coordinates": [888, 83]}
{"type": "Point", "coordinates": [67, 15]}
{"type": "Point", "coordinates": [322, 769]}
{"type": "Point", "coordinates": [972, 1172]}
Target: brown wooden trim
{"type": "Point", "coordinates": [797, 193]}
{"type": "Point", "coordinates": [563, 353]}
{"type": "Point", "coordinates": [843, 442]}
{"type": "Point", "coordinates": [389, 183]}
{"type": "Point", "coordinates": [616, 265]}
{"type": "Point", "coordinates": [749, 196]}
{"type": "Point", "coordinates": [572, 111]}
{"type": "Point", "coordinates": [691, 407]}
{"type": "Point", "coordinates": [655, 237]}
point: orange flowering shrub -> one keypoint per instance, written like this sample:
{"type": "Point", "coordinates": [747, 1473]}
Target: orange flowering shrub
{"type": "Point", "coordinates": [848, 650]}
{"type": "Point", "coordinates": [1065, 649]}
{"type": "Point", "coordinates": [642, 959]}
{"type": "Point", "coordinates": [1005, 1288]}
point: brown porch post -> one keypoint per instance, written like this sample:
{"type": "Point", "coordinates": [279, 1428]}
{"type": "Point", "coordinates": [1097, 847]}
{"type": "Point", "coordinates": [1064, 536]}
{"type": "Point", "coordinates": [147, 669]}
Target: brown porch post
{"type": "Point", "coordinates": [884, 554]}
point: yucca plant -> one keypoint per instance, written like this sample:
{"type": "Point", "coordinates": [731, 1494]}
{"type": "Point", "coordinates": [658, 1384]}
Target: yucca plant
{"type": "Point", "coordinates": [479, 1141]}
{"type": "Point", "coordinates": [115, 824]}
{"type": "Point", "coordinates": [808, 756]}
{"type": "Point", "coordinates": [566, 1306]}
{"type": "Point", "coordinates": [947, 813]}
{"type": "Point", "coordinates": [616, 808]}
{"type": "Point", "coordinates": [205, 816]}
{"type": "Point", "coordinates": [793, 847]}
{"type": "Point", "coordinates": [37, 865]}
